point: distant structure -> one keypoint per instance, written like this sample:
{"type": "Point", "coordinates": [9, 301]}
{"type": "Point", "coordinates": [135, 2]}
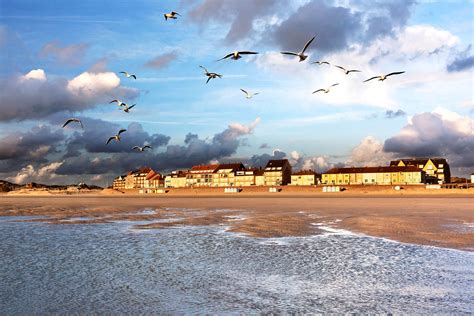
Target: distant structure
{"type": "Point", "coordinates": [277, 172]}
{"type": "Point", "coordinates": [374, 175]}
{"type": "Point", "coordinates": [249, 177]}
{"type": "Point", "coordinates": [472, 177]}
{"type": "Point", "coordinates": [176, 179]}
{"type": "Point", "coordinates": [305, 177]}
{"type": "Point", "coordinates": [437, 169]}
{"type": "Point", "coordinates": [201, 176]}
{"type": "Point", "coordinates": [224, 175]}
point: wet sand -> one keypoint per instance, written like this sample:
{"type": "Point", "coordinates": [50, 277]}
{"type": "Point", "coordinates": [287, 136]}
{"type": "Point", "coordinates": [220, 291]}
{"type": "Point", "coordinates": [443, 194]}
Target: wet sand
{"type": "Point", "coordinates": [438, 220]}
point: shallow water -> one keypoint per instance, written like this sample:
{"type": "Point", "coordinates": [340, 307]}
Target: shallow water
{"type": "Point", "coordinates": [112, 268]}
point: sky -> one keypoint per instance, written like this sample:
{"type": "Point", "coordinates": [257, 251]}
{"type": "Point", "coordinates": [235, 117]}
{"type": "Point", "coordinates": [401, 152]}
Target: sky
{"type": "Point", "coordinates": [62, 59]}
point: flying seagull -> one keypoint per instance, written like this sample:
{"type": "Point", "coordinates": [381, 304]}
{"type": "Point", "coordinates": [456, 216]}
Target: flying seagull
{"type": "Point", "coordinates": [248, 95]}
{"type": "Point", "coordinates": [346, 71]}
{"type": "Point", "coordinates": [301, 54]}
{"type": "Point", "coordinates": [171, 15]}
{"type": "Point", "coordinates": [73, 120]}
{"type": "Point", "coordinates": [116, 137]}
{"type": "Point", "coordinates": [320, 62]}
{"type": "Point", "coordinates": [325, 90]}
{"type": "Point", "coordinates": [128, 75]}
{"type": "Point", "coordinates": [210, 75]}
{"type": "Point", "coordinates": [383, 77]}
{"type": "Point", "coordinates": [127, 108]}
{"type": "Point", "coordinates": [141, 148]}
{"type": "Point", "coordinates": [119, 103]}
{"type": "Point", "coordinates": [237, 55]}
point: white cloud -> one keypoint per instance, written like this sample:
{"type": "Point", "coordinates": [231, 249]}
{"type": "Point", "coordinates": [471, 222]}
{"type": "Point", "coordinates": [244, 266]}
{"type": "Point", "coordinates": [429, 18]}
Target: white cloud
{"type": "Point", "coordinates": [90, 84]}
{"type": "Point", "coordinates": [369, 152]}
{"type": "Point", "coordinates": [35, 74]}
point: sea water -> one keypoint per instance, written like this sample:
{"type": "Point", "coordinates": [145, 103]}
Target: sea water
{"type": "Point", "coordinates": [115, 269]}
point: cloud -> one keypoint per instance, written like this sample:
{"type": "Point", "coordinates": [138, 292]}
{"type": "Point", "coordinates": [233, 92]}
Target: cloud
{"type": "Point", "coordinates": [463, 61]}
{"type": "Point", "coordinates": [261, 160]}
{"type": "Point", "coordinates": [369, 152]}
{"type": "Point", "coordinates": [35, 96]}
{"type": "Point", "coordinates": [438, 133]}
{"type": "Point", "coordinates": [390, 114]}
{"type": "Point", "coordinates": [42, 174]}
{"type": "Point", "coordinates": [264, 146]}
{"type": "Point", "coordinates": [240, 15]}
{"type": "Point", "coordinates": [67, 55]}
{"type": "Point", "coordinates": [162, 61]}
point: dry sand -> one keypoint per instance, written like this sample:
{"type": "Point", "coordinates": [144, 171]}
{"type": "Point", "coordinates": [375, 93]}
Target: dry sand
{"type": "Point", "coordinates": [438, 219]}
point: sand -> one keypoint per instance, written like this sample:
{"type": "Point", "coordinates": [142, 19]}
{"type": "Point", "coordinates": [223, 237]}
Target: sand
{"type": "Point", "coordinates": [436, 219]}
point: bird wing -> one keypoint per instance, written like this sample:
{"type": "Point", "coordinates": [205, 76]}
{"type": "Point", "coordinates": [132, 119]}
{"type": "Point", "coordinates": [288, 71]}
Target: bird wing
{"type": "Point", "coordinates": [146, 146]}
{"type": "Point", "coordinates": [114, 101]}
{"type": "Point", "coordinates": [319, 90]}
{"type": "Point", "coordinates": [289, 53]}
{"type": "Point", "coordinates": [175, 13]}
{"type": "Point", "coordinates": [325, 62]}
{"type": "Point", "coordinates": [220, 76]}
{"type": "Point", "coordinates": [336, 84]}
{"type": "Point", "coordinates": [395, 73]}
{"type": "Point", "coordinates": [80, 122]}
{"type": "Point", "coordinates": [67, 122]}
{"type": "Point", "coordinates": [353, 70]}
{"type": "Point", "coordinates": [307, 44]}
{"type": "Point", "coordinates": [244, 91]}
{"type": "Point", "coordinates": [208, 78]}
{"type": "Point", "coordinates": [226, 56]}
{"type": "Point", "coordinates": [204, 69]}
{"type": "Point", "coordinates": [371, 78]}
{"type": "Point", "coordinates": [124, 72]}
{"type": "Point", "coordinates": [247, 53]}
{"type": "Point", "coordinates": [340, 67]}
{"type": "Point", "coordinates": [134, 77]}
{"type": "Point", "coordinates": [166, 17]}
{"type": "Point", "coordinates": [110, 138]}
{"type": "Point", "coordinates": [136, 147]}
{"type": "Point", "coordinates": [131, 106]}
{"type": "Point", "coordinates": [256, 93]}
{"type": "Point", "coordinates": [121, 131]}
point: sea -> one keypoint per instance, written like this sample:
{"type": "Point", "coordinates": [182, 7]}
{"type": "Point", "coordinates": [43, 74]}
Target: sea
{"type": "Point", "coordinates": [113, 268]}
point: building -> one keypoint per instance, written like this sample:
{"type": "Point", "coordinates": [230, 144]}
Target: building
{"type": "Point", "coordinates": [176, 179]}
{"type": "Point", "coordinates": [201, 176]}
{"type": "Point", "coordinates": [154, 180]}
{"type": "Point", "coordinates": [437, 169]}
{"type": "Point", "coordinates": [277, 172]}
{"type": "Point", "coordinates": [119, 183]}
{"type": "Point", "coordinates": [305, 177]}
{"type": "Point", "coordinates": [374, 175]}
{"type": "Point", "coordinates": [136, 179]}
{"type": "Point", "coordinates": [472, 177]}
{"type": "Point", "coordinates": [224, 175]}
{"type": "Point", "coordinates": [249, 177]}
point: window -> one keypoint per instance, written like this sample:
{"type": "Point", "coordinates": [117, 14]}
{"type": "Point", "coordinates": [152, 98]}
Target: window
{"type": "Point", "coordinates": [440, 165]}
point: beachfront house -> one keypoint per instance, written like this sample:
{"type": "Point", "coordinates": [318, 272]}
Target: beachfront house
{"type": "Point", "coordinates": [277, 172]}
{"type": "Point", "coordinates": [154, 180]}
{"type": "Point", "coordinates": [201, 176]}
{"type": "Point", "coordinates": [249, 177]}
{"type": "Point", "coordinates": [305, 177]}
{"type": "Point", "coordinates": [437, 169]}
{"type": "Point", "coordinates": [119, 183]}
{"type": "Point", "coordinates": [472, 177]}
{"type": "Point", "coordinates": [176, 179]}
{"type": "Point", "coordinates": [374, 175]}
{"type": "Point", "coordinates": [224, 175]}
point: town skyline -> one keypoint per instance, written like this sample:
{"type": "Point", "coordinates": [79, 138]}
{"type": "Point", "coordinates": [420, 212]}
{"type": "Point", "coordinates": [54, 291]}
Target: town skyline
{"type": "Point", "coordinates": [66, 61]}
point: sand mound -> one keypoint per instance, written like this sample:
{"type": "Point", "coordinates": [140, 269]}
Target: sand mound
{"type": "Point", "coordinates": [29, 192]}
{"type": "Point", "coordinates": [111, 192]}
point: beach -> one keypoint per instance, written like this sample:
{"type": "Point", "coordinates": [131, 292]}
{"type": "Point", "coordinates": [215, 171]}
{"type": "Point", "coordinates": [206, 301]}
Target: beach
{"type": "Point", "coordinates": [442, 220]}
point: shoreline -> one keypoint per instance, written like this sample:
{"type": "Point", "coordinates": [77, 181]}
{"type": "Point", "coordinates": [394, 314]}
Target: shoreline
{"type": "Point", "coordinates": [438, 220]}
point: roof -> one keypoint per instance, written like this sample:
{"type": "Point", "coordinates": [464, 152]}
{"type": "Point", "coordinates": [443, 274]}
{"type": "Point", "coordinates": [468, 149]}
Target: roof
{"type": "Point", "coordinates": [418, 161]}
{"type": "Point", "coordinates": [277, 163]}
{"type": "Point", "coordinates": [141, 170]}
{"type": "Point", "coordinates": [232, 166]}
{"type": "Point", "coordinates": [373, 169]}
{"type": "Point", "coordinates": [152, 175]}
{"type": "Point", "coordinates": [304, 173]}
{"type": "Point", "coordinates": [203, 168]}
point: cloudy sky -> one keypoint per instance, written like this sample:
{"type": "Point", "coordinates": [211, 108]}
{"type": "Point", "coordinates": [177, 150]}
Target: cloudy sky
{"type": "Point", "coordinates": [62, 58]}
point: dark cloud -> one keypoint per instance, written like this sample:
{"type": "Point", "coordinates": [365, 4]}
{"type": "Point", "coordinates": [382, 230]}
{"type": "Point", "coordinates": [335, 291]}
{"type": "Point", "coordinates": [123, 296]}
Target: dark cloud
{"type": "Point", "coordinates": [239, 14]}
{"type": "Point", "coordinates": [390, 114]}
{"type": "Point", "coordinates": [261, 160]}
{"type": "Point", "coordinates": [66, 55]}
{"type": "Point", "coordinates": [433, 134]}
{"type": "Point", "coordinates": [463, 61]}
{"type": "Point", "coordinates": [162, 61]}
{"type": "Point", "coordinates": [34, 96]}
{"type": "Point", "coordinates": [264, 146]}
{"type": "Point", "coordinates": [20, 148]}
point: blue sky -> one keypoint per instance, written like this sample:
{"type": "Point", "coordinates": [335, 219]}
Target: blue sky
{"type": "Point", "coordinates": [429, 40]}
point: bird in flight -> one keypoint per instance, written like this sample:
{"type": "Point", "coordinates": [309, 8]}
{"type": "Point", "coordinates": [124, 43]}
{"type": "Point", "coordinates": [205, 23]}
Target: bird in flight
{"type": "Point", "coordinates": [172, 15]}
{"type": "Point", "coordinates": [301, 54]}
{"type": "Point", "coordinates": [210, 75]}
{"type": "Point", "coordinates": [321, 62]}
{"type": "Point", "coordinates": [116, 137]}
{"type": "Point", "coordinates": [127, 108]}
{"type": "Point", "coordinates": [248, 95]}
{"type": "Point", "coordinates": [237, 55]}
{"type": "Point", "coordinates": [141, 148]}
{"type": "Point", "coordinates": [128, 75]}
{"type": "Point", "coordinates": [325, 90]}
{"type": "Point", "coordinates": [119, 103]}
{"type": "Point", "coordinates": [347, 71]}
{"type": "Point", "coordinates": [383, 77]}
{"type": "Point", "coordinates": [73, 120]}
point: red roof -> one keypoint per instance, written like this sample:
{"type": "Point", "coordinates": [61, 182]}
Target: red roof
{"type": "Point", "coordinates": [304, 173]}
{"type": "Point", "coordinates": [152, 175]}
{"type": "Point", "coordinates": [205, 167]}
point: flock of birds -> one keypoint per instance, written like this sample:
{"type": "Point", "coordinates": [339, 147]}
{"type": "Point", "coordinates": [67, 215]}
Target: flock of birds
{"type": "Point", "coordinates": [236, 55]}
